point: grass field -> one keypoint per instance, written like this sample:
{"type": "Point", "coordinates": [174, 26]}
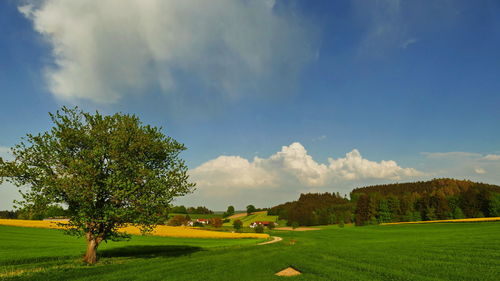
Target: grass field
{"type": "Point", "coordinates": [198, 216]}
{"type": "Point", "coordinates": [257, 216]}
{"type": "Point", "coordinates": [465, 251]}
{"type": "Point", "coordinates": [160, 230]}
{"type": "Point", "coordinates": [489, 219]}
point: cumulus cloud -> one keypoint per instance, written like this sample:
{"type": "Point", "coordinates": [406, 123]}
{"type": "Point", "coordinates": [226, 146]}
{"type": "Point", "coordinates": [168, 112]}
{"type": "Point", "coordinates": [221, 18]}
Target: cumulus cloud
{"type": "Point", "coordinates": [229, 171]}
{"type": "Point", "coordinates": [106, 49]}
{"type": "Point", "coordinates": [293, 166]}
{"type": "Point", "coordinates": [355, 167]}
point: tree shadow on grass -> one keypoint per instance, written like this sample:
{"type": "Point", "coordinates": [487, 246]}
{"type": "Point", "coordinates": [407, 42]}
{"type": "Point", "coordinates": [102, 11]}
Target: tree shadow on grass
{"type": "Point", "coordinates": [149, 251]}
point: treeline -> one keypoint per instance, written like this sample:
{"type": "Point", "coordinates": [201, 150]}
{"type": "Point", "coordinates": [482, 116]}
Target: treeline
{"type": "Point", "coordinates": [315, 209]}
{"type": "Point", "coordinates": [31, 214]}
{"type": "Point", "coordinates": [190, 210]}
{"type": "Point", "coordinates": [437, 199]}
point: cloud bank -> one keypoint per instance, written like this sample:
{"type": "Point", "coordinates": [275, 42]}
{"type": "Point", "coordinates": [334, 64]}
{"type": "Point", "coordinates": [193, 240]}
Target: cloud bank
{"type": "Point", "coordinates": [5, 153]}
{"type": "Point", "coordinates": [104, 50]}
{"type": "Point", "coordinates": [293, 166]}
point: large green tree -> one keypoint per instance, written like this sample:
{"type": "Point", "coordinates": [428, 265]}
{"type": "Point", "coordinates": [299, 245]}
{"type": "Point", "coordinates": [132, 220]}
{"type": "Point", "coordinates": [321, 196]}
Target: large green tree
{"type": "Point", "coordinates": [251, 209]}
{"type": "Point", "coordinates": [229, 212]}
{"type": "Point", "coordinates": [109, 171]}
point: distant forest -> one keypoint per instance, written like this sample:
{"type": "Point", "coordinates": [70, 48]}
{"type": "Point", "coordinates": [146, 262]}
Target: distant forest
{"type": "Point", "coordinates": [437, 199]}
{"type": "Point", "coordinates": [58, 211]}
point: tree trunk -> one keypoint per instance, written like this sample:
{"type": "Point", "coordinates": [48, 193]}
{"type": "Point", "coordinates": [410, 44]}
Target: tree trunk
{"type": "Point", "coordinates": [92, 244]}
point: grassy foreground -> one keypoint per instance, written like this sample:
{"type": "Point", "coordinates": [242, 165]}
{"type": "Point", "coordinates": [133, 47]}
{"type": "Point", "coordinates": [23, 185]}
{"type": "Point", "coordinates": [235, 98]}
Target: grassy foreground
{"type": "Point", "coordinates": [466, 251]}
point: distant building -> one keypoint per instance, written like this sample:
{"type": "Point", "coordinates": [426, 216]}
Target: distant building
{"type": "Point", "coordinates": [198, 222]}
{"type": "Point", "coordinates": [203, 221]}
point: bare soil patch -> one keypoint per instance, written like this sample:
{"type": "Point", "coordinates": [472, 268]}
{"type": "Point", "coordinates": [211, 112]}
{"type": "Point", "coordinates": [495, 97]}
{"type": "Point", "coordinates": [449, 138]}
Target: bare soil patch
{"type": "Point", "coordinates": [289, 271]}
{"type": "Point", "coordinates": [235, 216]}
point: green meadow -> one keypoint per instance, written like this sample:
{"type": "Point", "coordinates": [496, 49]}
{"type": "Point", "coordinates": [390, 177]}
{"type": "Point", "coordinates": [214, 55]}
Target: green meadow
{"type": "Point", "coordinates": [458, 251]}
{"type": "Point", "coordinates": [197, 216]}
{"type": "Point", "coordinates": [258, 216]}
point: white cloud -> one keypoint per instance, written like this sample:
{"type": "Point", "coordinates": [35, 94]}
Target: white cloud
{"type": "Point", "coordinates": [491, 157]}
{"type": "Point", "coordinates": [480, 171]}
{"type": "Point", "coordinates": [232, 171]}
{"type": "Point", "coordinates": [462, 155]}
{"type": "Point", "coordinates": [320, 138]}
{"type": "Point", "coordinates": [106, 49]}
{"type": "Point", "coordinates": [8, 192]}
{"type": "Point", "coordinates": [5, 153]}
{"type": "Point", "coordinates": [355, 167]}
{"type": "Point", "coordinates": [293, 166]}
{"type": "Point", "coordinates": [452, 154]}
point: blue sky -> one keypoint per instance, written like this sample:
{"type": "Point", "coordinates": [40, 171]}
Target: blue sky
{"type": "Point", "coordinates": [293, 83]}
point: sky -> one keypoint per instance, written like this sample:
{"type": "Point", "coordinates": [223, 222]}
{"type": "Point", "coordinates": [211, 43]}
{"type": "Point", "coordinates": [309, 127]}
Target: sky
{"type": "Point", "coordinates": [271, 98]}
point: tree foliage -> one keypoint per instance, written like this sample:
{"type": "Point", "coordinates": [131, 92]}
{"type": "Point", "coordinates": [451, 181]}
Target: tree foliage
{"type": "Point", "coordinates": [178, 220]}
{"type": "Point", "coordinates": [108, 170]}
{"type": "Point", "coordinates": [271, 225]}
{"type": "Point", "coordinates": [237, 224]}
{"type": "Point", "coordinates": [314, 209]}
{"type": "Point", "coordinates": [229, 212]}
{"type": "Point", "coordinates": [259, 228]}
{"type": "Point", "coordinates": [202, 210]}
{"type": "Point", "coordinates": [251, 209]}
{"type": "Point", "coordinates": [215, 222]}
{"type": "Point", "coordinates": [437, 199]}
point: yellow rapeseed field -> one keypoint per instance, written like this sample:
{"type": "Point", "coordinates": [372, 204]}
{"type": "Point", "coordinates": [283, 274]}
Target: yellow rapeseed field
{"type": "Point", "coordinates": [161, 230]}
{"type": "Point", "coordinates": [457, 220]}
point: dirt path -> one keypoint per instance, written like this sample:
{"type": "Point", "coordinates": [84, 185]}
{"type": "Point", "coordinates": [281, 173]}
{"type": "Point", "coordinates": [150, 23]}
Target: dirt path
{"type": "Point", "coordinates": [275, 239]}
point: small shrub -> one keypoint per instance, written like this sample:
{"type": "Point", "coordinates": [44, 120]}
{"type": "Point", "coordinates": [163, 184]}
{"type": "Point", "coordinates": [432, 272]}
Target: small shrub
{"type": "Point", "coordinates": [216, 222]}
{"type": "Point", "coordinates": [237, 224]}
{"type": "Point", "coordinates": [259, 228]}
{"type": "Point", "coordinates": [295, 225]}
{"type": "Point", "coordinates": [177, 220]}
{"type": "Point", "coordinates": [197, 224]}
{"type": "Point", "coordinates": [341, 223]}
{"type": "Point", "coordinates": [271, 225]}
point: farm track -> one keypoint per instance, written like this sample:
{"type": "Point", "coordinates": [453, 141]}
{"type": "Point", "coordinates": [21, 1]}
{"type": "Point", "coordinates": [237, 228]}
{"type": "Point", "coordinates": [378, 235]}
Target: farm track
{"type": "Point", "coordinates": [275, 239]}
